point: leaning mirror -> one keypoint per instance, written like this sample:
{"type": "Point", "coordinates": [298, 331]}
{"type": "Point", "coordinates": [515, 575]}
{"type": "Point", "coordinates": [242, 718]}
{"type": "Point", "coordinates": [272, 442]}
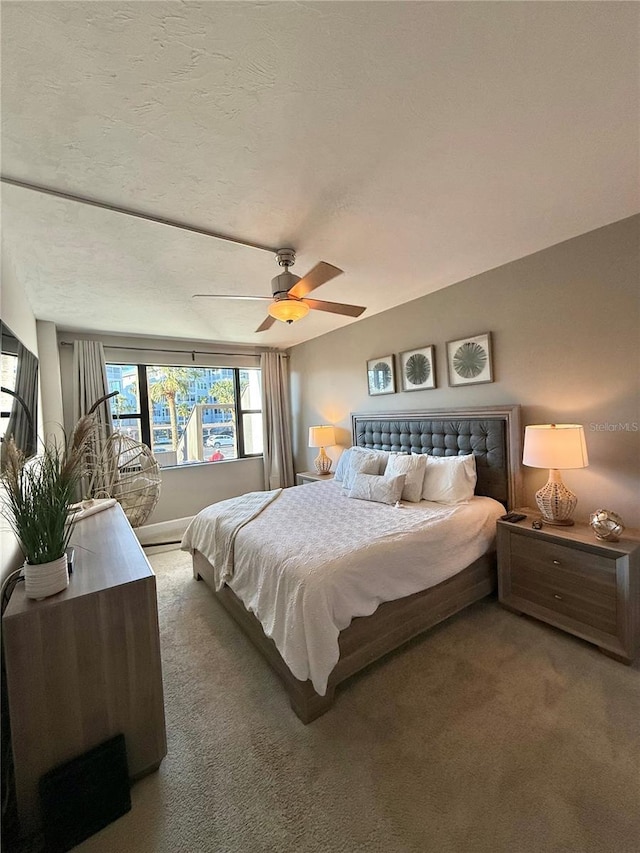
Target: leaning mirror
{"type": "Point", "coordinates": [19, 395]}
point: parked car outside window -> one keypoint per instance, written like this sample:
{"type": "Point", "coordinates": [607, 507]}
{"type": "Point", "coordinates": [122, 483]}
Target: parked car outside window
{"type": "Point", "coordinates": [221, 440]}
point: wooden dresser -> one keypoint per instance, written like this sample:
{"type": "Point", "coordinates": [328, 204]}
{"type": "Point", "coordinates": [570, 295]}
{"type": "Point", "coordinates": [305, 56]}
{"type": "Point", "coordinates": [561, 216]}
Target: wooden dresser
{"type": "Point", "coordinates": [570, 579]}
{"type": "Point", "coordinates": [84, 665]}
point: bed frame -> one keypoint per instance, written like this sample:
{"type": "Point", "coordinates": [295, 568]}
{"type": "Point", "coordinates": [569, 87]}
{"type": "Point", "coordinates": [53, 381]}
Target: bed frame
{"type": "Point", "coordinates": [493, 434]}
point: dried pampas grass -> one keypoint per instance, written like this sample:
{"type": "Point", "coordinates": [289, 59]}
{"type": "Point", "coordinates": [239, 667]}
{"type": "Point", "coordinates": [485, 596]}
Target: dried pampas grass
{"type": "Point", "coordinates": [38, 492]}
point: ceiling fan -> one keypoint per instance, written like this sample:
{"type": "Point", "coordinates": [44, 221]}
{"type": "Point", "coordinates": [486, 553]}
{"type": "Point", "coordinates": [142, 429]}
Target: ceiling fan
{"type": "Point", "coordinates": [289, 301]}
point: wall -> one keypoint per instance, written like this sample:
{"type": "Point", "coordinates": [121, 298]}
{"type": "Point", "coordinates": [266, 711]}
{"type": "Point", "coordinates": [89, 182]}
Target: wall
{"type": "Point", "coordinates": [50, 385]}
{"type": "Point", "coordinates": [185, 490]}
{"type": "Point", "coordinates": [15, 309]}
{"type": "Point", "coordinates": [565, 324]}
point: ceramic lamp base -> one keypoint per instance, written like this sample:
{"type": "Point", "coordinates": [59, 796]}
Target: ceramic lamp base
{"type": "Point", "coordinates": [322, 462]}
{"type": "Point", "coordinates": [556, 502]}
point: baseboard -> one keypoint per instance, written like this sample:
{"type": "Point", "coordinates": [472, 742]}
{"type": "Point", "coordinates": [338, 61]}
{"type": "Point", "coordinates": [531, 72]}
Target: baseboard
{"type": "Point", "coordinates": [163, 531]}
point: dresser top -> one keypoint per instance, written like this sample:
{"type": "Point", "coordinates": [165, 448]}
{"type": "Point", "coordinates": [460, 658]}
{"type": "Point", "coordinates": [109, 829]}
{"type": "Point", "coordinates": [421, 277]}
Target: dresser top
{"type": "Point", "coordinates": [107, 554]}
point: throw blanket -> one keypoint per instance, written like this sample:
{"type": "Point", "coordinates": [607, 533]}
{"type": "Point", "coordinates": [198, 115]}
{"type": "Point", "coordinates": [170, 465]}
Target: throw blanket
{"type": "Point", "coordinates": [220, 523]}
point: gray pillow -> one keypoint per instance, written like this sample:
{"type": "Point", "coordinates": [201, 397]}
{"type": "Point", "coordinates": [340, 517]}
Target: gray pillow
{"type": "Point", "coordinates": [373, 487]}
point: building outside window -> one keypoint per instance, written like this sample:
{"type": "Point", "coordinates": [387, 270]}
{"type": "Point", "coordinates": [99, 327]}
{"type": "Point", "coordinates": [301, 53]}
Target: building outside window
{"type": "Point", "coordinates": [189, 414]}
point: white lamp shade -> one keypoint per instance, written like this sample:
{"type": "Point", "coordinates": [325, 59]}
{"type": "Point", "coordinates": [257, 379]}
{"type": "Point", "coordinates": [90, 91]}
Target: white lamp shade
{"type": "Point", "coordinates": [322, 436]}
{"type": "Point", "coordinates": [555, 446]}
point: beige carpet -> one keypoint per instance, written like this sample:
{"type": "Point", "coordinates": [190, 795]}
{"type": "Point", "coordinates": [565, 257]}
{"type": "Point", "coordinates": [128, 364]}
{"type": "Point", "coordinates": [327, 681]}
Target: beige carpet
{"type": "Point", "coordinates": [492, 732]}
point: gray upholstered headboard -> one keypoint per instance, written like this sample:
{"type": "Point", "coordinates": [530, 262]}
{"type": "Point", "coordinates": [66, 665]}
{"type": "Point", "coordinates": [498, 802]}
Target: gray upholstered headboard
{"type": "Point", "coordinates": [493, 434]}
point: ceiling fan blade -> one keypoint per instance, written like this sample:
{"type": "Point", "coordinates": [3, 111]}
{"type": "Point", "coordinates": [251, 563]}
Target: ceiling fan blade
{"type": "Point", "coordinates": [230, 296]}
{"type": "Point", "coordinates": [335, 307]}
{"type": "Point", "coordinates": [320, 274]}
{"type": "Point", "coordinates": [267, 323]}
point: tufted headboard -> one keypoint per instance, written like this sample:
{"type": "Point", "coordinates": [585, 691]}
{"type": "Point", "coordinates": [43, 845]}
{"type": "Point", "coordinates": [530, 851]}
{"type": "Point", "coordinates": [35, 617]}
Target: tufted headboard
{"type": "Point", "coordinates": [493, 434]}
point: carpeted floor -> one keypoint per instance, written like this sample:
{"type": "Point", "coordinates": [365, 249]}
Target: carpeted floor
{"type": "Point", "coordinates": [492, 732]}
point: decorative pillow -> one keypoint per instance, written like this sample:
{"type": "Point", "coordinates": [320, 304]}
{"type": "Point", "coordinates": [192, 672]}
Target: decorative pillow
{"type": "Point", "coordinates": [449, 479]}
{"type": "Point", "coordinates": [343, 461]}
{"type": "Point", "coordinates": [413, 467]}
{"type": "Point", "coordinates": [359, 463]}
{"type": "Point", "coordinates": [373, 487]}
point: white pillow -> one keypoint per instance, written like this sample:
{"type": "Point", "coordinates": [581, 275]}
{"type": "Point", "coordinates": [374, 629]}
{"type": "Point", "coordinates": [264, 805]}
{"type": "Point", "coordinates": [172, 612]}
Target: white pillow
{"type": "Point", "coordinates": [413, 467]}
{"type": "Point", "coordinates": [343, 462]}
{"type": "Point", "coordinates": [449, 479]}
{"type": "Point", "coordinates": [342, 465]}
{"type": "Point", "coordinates": [373, 487]}
{"type": "Point", "coordinates": [359, 463]}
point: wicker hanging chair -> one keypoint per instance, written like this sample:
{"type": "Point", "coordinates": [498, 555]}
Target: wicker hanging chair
{"type": "Point", "coordinates": [120, 467]}
{"type": "Point", "coordinates": [128, 472]}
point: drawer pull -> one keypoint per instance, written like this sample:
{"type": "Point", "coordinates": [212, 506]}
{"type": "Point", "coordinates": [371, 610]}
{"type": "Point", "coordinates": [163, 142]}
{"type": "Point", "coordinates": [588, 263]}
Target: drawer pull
{"type": "Point", "coordinates": [556, 563]}
{"type": "Point", "coordinates": [559, 597]}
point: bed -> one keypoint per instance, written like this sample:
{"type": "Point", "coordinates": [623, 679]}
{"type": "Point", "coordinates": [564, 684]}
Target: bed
{"type": "Point", "coordinates": [491, 434]}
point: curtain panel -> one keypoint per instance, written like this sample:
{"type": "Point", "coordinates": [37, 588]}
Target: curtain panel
{"type": "Point", "coordinates": [89, 384]}
{"type": "Point", "coordinates": [276, 421]}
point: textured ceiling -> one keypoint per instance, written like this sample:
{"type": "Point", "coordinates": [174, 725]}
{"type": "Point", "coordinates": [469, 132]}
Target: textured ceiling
{"type": "Point", "coordinates": [410, 144]}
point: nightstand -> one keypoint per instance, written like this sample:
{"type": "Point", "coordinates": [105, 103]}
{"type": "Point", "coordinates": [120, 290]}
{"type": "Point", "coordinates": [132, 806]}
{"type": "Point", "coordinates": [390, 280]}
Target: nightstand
{"type": "Point", "coordinates": [312, 477]}
{"type": "Point", "coordinates": [570, 579]}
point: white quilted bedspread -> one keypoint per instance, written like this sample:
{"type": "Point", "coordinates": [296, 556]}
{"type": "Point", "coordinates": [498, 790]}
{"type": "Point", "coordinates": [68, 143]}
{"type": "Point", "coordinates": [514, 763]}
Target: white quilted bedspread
{"type": "Point", "coordinates": [314, 559]}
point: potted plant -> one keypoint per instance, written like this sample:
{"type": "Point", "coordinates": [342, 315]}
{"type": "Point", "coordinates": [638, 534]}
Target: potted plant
{"type": "Point", "coordinates": [38, 494]}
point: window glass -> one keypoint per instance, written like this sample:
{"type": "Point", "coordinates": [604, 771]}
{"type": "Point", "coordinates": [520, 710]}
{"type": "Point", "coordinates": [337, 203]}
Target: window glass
{"type": "Point", "coordinates": [190, 413]}
{"type": "Point", "coordinates": [9, 369]}
{"type": "Point", "coordinates": [123, 378]}
{"type": "Point", "coordinates": [130, 427]}
{"type": "Point", "coordinates": [250, 389]}
{"type": "Point", "coordinates": [252, 426]}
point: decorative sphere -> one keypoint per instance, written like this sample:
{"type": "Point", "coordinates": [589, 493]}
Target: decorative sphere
{"type": "Point", "coordinates": [607, 525]}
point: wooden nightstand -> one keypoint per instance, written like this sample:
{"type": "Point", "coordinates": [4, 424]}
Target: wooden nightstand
{"type": "Point", "coordinates": [312, 477]}
{"type": "Point", "coordinates": [570, 579]}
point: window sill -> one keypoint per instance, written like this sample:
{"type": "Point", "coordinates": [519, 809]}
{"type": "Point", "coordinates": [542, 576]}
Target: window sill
{"type": "Point", "coordinates": [197, 463]}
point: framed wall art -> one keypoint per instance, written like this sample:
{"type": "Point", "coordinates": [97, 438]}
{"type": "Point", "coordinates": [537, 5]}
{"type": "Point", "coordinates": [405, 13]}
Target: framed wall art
{"type": "Point", "coordinates": [418, 369]}
{"type": "Point", "coordinates": [381, 375]}
{"type": "Point", "coordinates": [469, 360]}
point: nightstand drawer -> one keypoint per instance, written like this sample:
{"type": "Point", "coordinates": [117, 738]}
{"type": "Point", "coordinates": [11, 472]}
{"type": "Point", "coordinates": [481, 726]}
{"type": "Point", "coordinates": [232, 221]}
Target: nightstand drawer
{"type": "Point", "coordinates": [552, 558]}
{"type": "Point", "coordinates": [567, 581]}
{"type": "Point", "coordinates": [566, 599]}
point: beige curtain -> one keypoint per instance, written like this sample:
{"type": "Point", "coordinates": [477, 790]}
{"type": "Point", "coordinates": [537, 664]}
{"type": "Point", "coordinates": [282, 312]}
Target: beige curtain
{"type": "Point", "coordinates": [89, 384]}
{"type": "Point", "coordinates": [276, 421]}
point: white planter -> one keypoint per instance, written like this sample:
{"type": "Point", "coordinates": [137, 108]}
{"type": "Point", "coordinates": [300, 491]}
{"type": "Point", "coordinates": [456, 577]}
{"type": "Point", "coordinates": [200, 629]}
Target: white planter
{"type": "Point", "coordinates": [46, 579]}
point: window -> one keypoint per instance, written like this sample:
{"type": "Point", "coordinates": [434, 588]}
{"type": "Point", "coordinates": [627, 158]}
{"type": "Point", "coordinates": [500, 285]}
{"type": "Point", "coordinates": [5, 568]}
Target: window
{"type": "Point", "coordinates": [189, 414]}
{"type": "Point", "coordinates": [8, 375]}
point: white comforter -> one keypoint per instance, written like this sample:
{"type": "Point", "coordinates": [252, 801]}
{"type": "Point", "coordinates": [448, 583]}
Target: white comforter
{"type": "Point", "coordinates": [314, 559]}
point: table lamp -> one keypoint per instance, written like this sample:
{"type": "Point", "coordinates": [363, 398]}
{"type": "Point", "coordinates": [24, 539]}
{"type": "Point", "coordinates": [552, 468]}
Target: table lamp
{"type": "Point", "coordinates": [322, 436]}
{"type": "Point", "coordinates": [555, 446]}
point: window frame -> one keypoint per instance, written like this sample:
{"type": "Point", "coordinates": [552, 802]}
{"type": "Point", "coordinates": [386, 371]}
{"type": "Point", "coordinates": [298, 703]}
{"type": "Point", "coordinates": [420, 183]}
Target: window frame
{"type": "Point", "coordinates": [240, 411]}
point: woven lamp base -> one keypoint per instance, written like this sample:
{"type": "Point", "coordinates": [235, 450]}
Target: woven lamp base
{"type": "Point", "coordinates": [556, 502]}
{"type": "Point", "coordinates": [322, 462]}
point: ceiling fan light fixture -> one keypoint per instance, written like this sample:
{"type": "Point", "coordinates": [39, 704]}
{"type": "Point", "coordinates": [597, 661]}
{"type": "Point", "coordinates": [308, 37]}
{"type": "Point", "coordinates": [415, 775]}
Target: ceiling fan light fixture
{"type": "Point", "coordinates": [288, 310]}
